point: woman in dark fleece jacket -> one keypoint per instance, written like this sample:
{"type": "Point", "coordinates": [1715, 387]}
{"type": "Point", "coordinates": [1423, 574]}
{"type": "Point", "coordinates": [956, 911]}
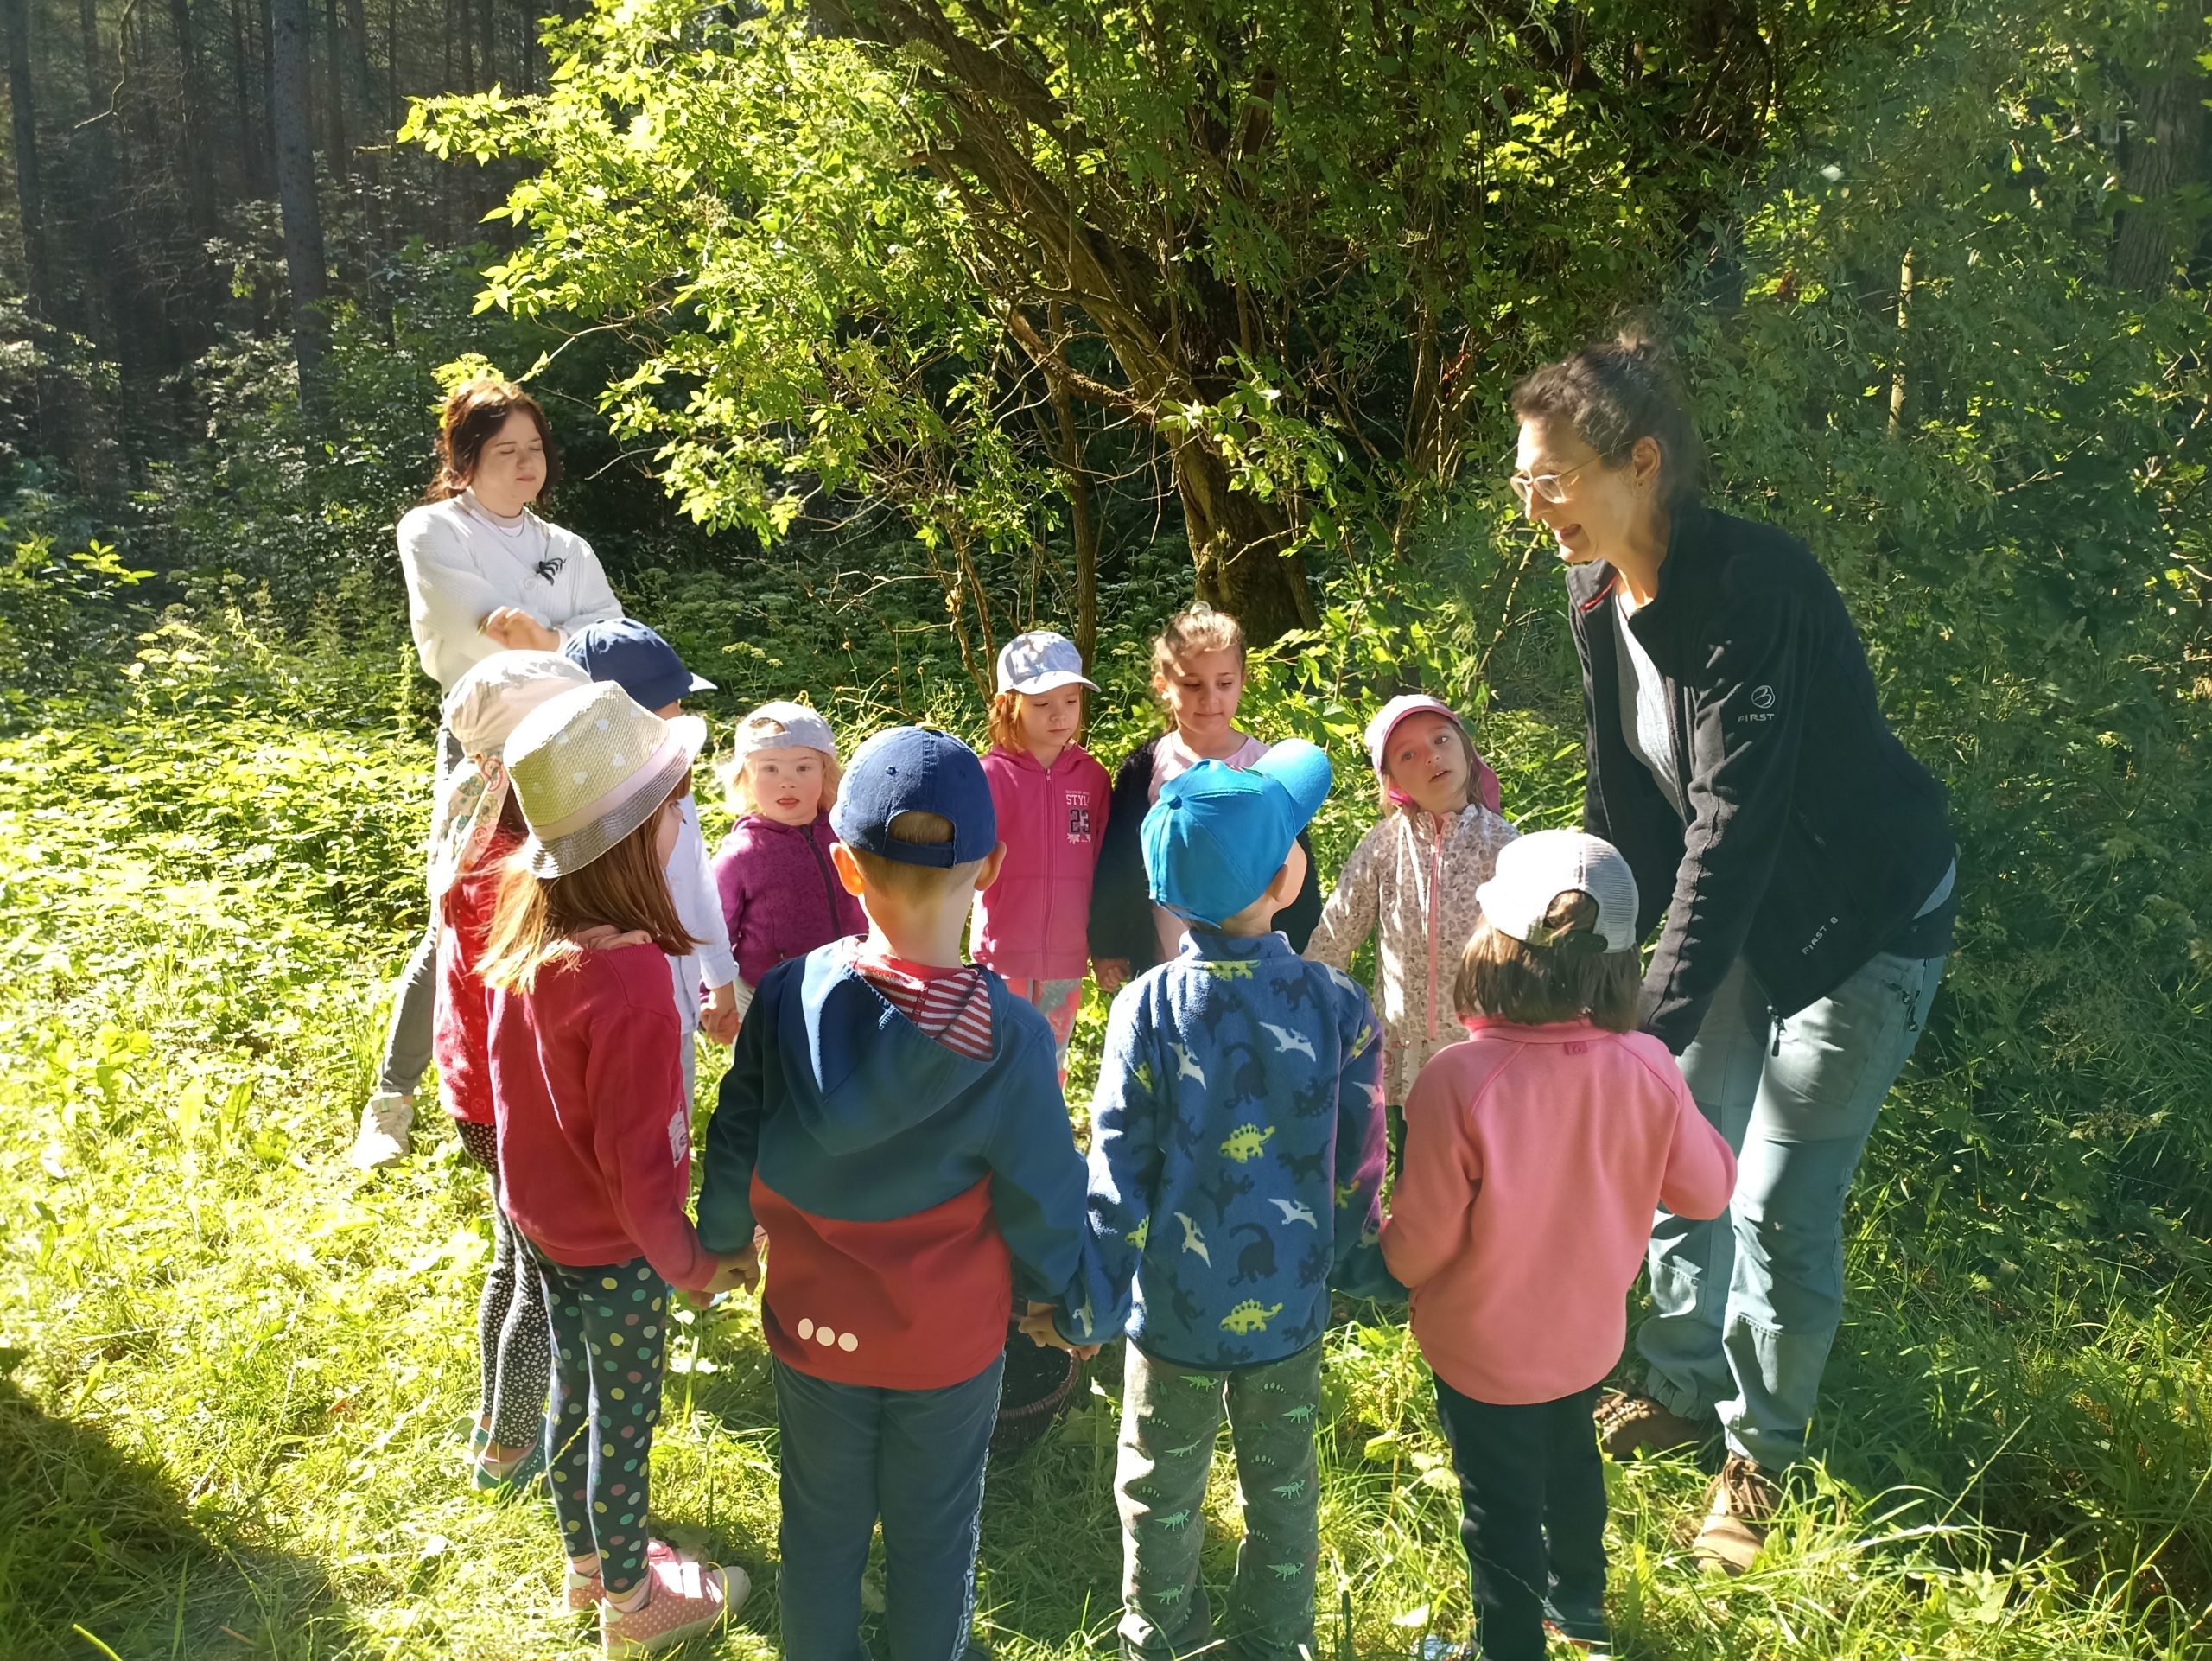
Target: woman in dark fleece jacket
{"type": "Point", "coordinates": [1804, 862]}
{"type": "Point", "coordinates": [1198, 672]}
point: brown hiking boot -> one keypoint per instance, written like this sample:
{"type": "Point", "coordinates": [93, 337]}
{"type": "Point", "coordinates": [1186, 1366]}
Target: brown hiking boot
{"type": "Point", "coordinates": [1630, 1425]}
{"type": "Point", "coordinates": [1740, 1509]}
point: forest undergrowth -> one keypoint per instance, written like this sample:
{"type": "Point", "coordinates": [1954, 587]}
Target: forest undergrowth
{"type": "Point", "coordinates": [236, 1372]}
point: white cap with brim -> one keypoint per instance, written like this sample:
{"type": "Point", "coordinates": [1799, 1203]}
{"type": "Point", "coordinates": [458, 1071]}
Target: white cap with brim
{"type": "Point", "coordinates": [1533, 871]}
{"type": "Point", "coordinates": [1041, 661]}
{"type": "Point", "coordinates": [782, 725]}
{"type": "Point", "coordinates": [590, 767]}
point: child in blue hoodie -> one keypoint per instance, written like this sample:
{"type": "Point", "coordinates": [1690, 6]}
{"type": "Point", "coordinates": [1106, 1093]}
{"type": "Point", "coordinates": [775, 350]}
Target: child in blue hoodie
{"type": "Point", "coordinates": [893, 1116]}
{"type": "Point", "coordinates": [1236, 1167]}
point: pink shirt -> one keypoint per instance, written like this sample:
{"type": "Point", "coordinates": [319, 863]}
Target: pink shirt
{"type": "Point", "coordinates": [1534, 1157]}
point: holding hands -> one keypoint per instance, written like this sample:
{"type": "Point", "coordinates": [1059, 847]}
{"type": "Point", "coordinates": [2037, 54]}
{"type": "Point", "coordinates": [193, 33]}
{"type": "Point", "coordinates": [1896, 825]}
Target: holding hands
{"type": "Point", "coordinates": [1037, 1325]}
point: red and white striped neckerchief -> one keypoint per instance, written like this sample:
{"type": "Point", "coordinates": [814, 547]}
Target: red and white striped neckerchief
{"type": "Point", "coordinates": [953, 1006]}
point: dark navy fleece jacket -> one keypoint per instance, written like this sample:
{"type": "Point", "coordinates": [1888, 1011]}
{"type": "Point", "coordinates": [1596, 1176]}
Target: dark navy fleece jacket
{"type": "Point", "coordinates": [909, 1192]}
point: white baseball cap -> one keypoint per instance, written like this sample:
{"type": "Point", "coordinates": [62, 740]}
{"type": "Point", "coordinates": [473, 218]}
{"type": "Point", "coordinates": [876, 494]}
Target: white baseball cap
{"type": "Point", "coordinates": [782, 725]}
{"type": "Point", "coordinates": [1041, 661]}
{"type": "Point", "coordinates": [1533, 871]}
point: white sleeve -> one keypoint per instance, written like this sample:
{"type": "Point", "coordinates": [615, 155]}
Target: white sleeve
{"type": "Point", "coordinates": [590, 596]}
{"type": "Point", "coordinates": [698, 907]}
{"type": "Point", "coordinates": [447, 596]}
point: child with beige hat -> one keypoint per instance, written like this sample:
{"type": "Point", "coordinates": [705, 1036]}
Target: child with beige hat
{"type": "Point", "coordinates": [595, 1134]}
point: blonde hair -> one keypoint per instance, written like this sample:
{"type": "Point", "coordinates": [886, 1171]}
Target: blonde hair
{"type": "Point", "coordinates": [624, 888]}
{"type": "Point", "coordinates": [1538, 985]}
{"type": "Point", "coordinates": [737, 782]}
{"type": "Point", "coordinates": [1201, 628]}
{"type": "Point", "coordinates": [1005, 725]}
{"type": "Point", "coordinates": [895, 877]}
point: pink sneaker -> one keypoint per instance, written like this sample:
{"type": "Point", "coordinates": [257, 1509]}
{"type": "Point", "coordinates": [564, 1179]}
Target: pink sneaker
{"type": "Point", "coordinates": [686, 1599]}
{"type": "Point", "coordinates": [583, 1592]}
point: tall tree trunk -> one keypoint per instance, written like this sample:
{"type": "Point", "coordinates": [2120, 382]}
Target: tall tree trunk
{"type": "Point", "coordinates": [269, 92]}
{"type": "Point", "coordinates": [2165, 154]}
{"type": "Point", "coordinates": [295, 195]}
{"type": "Point", "coordinates": [249, 155]}
{"type": "Point", "coordinates": [105, 251]}
{"type": "Point", "coordinates": [333, 53]}
{"type": "Point", "coordinates": [30, 198]}
{"type": "Point", "coordinates": [195, 157]}
{"type": "Point", "coordinates": [1074, 482]}
{"type": "Point", "coordinates": [488, 20]}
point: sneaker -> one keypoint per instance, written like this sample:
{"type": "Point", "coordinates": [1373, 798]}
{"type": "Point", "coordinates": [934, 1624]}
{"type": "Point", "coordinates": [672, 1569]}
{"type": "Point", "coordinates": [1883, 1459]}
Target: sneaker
{"type": "Point", "coordinates": [384, 1124]}
{"type": "Point", "coordinates": [1582, 1624]}
{"type": "Point", "coordinates": [521, 1475]}
{"type": "Point", "coordinates": [583, 1592]}
{"type": "Point", "coordinates": [1631, 1425]}
{"type": "Point", "coordinates": [1740, 1510]}
{"type": "Point", "coordinates": [686, 1599]}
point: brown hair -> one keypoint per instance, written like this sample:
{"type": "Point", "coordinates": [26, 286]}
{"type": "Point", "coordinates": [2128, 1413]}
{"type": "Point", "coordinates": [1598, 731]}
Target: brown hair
{"type": "Point", "coordinates": [737, 782]}
{"type": "Point", "coordinates": [1383, 785]}
{"type": "Point", "coordinates": [1005, 724]}
{"type": "Point", "coordinates": [1200, 628]}
{"type": "Point", "coordinates": [1537, 985]}
{"type": "Point", "coordinates": [1612, 394]}
{"type": "Point", "coordinates": [913, 882]}
{"type": "Point", "coordinates": [624, 888]}
{"type": "Point", "coordinates": [476, 410]}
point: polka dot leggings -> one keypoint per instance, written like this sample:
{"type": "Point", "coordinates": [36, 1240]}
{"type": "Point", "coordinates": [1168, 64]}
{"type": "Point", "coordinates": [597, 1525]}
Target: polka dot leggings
{"type": "Point", "coordinates": [513, 1336]}
{"type": "Point", "coordinates": [607, 1366]}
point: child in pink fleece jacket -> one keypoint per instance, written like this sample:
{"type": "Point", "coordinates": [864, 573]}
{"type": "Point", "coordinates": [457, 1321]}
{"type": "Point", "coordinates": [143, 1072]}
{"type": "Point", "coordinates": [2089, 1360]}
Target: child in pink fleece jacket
{"type": "Point", "coordinates": [1033, 926]}
{"type": "Point", "coordinates": [1535, 1154]}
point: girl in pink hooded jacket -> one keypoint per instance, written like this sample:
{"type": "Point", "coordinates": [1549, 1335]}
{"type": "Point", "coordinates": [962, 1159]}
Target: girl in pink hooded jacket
{"type": "Point", "coordinates": [1032, 924]}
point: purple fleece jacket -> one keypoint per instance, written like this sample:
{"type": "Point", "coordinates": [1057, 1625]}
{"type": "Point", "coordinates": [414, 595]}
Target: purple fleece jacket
{"type": "Point", "coordinates": [780, 895]}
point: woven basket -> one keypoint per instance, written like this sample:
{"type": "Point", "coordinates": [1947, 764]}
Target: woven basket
{"type": "Point", "coordinates": [1034, 1392]}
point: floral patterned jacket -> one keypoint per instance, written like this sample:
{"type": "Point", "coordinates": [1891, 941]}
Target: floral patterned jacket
{"type": "Point", "coordinates": [1411, 883]}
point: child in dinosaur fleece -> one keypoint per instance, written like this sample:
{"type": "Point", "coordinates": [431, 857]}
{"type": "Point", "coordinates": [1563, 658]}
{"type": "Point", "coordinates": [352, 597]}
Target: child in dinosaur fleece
{"type": "Point", "coordinates": [1235, 1169]}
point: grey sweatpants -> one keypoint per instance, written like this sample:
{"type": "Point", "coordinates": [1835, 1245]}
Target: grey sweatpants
{"type": "Point", "coordinates": [1170, 1416]}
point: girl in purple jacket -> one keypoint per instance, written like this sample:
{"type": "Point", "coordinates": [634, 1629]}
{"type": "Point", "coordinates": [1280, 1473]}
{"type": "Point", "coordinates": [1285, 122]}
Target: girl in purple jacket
{"type": "Point", "coordinates": [779, 895]}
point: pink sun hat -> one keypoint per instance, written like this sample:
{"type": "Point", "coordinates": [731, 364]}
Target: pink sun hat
{"type": "Point", "coordinates": [1481, 786]}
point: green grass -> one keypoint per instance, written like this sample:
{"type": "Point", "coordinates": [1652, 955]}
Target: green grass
{"type": "Point", "coordinates": [234, 1369]}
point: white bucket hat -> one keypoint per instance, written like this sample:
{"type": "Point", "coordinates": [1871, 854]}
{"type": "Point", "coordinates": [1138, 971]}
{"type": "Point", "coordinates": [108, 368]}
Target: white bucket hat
{"type": "Point", "coordinates": [481, 712]}
{"type": "Point", "coordinates": [589, 767]}
{"type": "Point", "coordinates": [1533, 870]}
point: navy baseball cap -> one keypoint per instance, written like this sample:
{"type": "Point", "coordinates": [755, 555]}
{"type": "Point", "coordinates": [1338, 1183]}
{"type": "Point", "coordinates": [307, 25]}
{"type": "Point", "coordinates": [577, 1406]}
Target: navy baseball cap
{"type": "Point", "coordinates": [914, 770]}
{"type": "Point", "coordinates": [1217, 837]}
{"type": "Point", "coordinates": [635, 658]}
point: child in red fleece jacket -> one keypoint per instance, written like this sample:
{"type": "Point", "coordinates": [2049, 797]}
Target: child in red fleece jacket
{"type": "Point", "coordinates": [594, 1149]}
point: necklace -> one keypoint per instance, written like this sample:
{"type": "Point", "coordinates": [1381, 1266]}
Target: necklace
{"type": "Point", "coordinates": [518, 535]}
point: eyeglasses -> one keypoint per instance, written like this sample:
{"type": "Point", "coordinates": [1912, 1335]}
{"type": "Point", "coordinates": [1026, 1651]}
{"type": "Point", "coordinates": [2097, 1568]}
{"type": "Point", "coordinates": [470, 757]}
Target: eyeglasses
{"type": "Point", "coordinates": [1551, 487]}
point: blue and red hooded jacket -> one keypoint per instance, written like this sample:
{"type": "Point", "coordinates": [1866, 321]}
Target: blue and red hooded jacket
{"type": "Point", "coordinates": [909, 1192]}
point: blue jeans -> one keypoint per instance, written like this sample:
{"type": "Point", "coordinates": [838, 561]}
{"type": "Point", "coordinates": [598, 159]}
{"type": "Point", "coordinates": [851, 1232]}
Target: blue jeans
{"type": "Point", "coordinates": [1745, 1307]}
{"type": "Point", "coordinates": [851, 1453]}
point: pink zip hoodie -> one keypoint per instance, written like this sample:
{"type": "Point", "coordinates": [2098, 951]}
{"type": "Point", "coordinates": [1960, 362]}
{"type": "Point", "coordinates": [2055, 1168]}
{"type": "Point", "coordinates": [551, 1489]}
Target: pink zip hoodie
{"type": "Point", "coordinates": [1034, 922]}
{"type": "Point", "coordinates": [1534, 1157]}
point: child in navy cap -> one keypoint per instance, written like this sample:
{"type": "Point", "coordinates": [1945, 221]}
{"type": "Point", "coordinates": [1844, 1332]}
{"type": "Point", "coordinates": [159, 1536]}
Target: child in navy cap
{"type": "Point", "coordinates": [1236, 1170]}
{"type": "Point", "coordinates": [893, 1116]}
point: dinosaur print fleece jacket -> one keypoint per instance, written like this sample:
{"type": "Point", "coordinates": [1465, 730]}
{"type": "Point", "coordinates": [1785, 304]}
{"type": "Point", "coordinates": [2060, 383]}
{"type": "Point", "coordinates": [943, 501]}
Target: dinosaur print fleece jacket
{"type": "Point", "coordinates": [1237, 1150]}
